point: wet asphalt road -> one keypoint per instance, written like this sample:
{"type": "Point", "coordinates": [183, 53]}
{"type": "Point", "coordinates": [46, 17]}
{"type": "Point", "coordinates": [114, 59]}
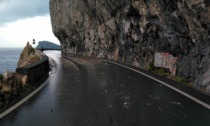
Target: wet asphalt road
{"type": "Point", "coordinates": [95, 93]}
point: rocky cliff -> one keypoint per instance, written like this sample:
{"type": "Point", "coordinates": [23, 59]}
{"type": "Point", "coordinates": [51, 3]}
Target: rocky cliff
{"type": "Point", "coordinates": [29, 55]}
{"type": "Point", "coordinates": [13, 85]}
{"type": "Point", "coordinates": [131, 31]}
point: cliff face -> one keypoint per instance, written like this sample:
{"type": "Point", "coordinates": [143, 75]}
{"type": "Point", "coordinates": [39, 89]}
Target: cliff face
{"type": "Point", "coordinates": [131, 31]}
{"type": "Point", "coordinates": [29, 55]}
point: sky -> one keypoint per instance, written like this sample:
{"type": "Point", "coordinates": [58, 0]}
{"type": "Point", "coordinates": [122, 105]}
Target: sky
{"type": "Point", "coordinates": [24, 20]}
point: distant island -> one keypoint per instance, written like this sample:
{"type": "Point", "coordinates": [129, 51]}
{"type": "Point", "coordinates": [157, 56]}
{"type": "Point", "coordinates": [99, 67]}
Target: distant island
{"type": "Point", "coordinates": [46, 45]}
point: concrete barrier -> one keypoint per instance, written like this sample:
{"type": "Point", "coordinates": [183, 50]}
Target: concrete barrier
{"type": "Point", "coordinates": [36, 71]}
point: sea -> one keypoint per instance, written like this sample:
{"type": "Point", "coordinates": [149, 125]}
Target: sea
{"type": "Point", "coordinates": [9, 58]}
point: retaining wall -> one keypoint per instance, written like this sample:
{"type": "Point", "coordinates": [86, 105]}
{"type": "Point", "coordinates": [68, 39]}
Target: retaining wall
{"type": "Point", "coordinates": [36, 71]}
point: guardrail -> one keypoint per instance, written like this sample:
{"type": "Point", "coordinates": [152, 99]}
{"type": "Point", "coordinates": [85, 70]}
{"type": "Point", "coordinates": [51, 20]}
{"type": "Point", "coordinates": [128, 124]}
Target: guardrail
{"type": "Point", "coordinates": [36, 71]}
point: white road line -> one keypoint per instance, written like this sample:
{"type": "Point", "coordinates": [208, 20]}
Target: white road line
{"type": "Point", "coordinates": [167, 85]}
{"type": "Point", "coordinates": [23, 100]}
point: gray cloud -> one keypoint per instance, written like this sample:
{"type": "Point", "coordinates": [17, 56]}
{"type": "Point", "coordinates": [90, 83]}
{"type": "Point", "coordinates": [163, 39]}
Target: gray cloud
{"type": "Point", "coordinates": [12, 10]}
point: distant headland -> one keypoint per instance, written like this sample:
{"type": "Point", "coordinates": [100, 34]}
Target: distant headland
{"type": "Point", "coordinates": [46, 45]}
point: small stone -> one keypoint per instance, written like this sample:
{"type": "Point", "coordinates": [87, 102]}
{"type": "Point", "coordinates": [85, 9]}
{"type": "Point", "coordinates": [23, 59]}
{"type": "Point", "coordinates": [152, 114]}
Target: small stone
{"type": "Point", "coordinates": [176, 103]}
{"type": "Point", "coordinates": [127, 97]}
{"type": "Point", "coordinates": [110, 106]}
{"type": "Point", "coordinates": [126, 105]}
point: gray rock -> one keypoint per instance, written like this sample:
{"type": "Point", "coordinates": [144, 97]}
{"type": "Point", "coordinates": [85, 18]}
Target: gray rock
{"type": "Point", "coordinates": [137, 29]}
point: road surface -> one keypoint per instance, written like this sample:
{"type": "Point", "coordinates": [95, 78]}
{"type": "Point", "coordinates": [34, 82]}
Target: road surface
{"type": "Point", "coordinates": [90, 92]}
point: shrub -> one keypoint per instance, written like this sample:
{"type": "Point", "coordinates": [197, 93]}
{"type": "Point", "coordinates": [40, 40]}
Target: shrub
{"type": "Point", "coordinates": [162, 72]}
{"type": "Point", "coordinates": [31, 50]}
{"type": "Point", "coordinates": [150, 67]}
{"type": "Point", "coordinates": [181, 80]}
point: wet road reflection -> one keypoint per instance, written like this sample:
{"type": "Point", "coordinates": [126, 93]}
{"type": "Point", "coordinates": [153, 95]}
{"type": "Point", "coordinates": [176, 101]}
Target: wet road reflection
{"type": "Point", "coordinates": [94, 93]}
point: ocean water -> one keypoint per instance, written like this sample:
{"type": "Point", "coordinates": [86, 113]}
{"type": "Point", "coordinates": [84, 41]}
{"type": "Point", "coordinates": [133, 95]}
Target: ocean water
{"type": "Point", "coordinates": [9, 58]}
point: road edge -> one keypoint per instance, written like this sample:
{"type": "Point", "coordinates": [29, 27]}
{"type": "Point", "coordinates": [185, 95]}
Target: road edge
{"type": "Point", "coordinates": [24, 99]}
{"type": "Point", "coordinates": [165, 84]}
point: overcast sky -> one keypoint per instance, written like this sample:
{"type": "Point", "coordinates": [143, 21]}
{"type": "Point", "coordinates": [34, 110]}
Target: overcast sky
{"type": "Point", "coordinates": [23, 20]}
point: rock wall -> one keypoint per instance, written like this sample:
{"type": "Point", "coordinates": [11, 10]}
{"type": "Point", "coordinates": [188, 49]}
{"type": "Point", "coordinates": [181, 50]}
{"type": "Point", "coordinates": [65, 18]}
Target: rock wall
{"type": "Point", "coordinates": [131, 31]}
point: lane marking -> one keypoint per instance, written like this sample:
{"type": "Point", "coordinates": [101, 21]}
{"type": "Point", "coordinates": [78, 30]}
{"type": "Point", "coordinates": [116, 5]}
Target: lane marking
{"type": "Point", "coordinates": [167, 85]}
{"type": "Point", "coordinates": [23, 100]}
